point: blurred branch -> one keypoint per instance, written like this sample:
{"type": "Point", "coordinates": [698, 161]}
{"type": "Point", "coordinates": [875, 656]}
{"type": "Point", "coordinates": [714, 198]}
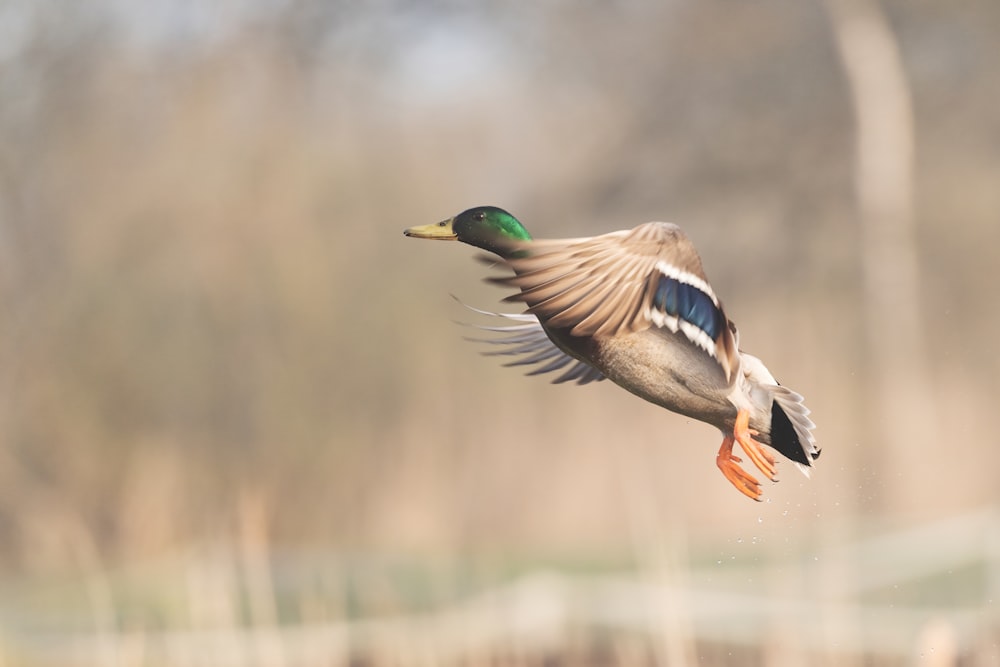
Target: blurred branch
{"type": "Point", "coordinates": [884, 158]}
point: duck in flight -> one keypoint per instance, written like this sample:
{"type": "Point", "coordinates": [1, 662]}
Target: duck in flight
{"type": "Point", "coordinates": [634, 306]}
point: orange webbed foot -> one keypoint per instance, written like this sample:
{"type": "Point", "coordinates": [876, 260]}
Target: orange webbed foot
{"type": "Point", "coordinates": [737, 476]}
{"type": "Point", "coordinates": [761, 458]}
{"type": "Point", "coordinates": [757, 453]}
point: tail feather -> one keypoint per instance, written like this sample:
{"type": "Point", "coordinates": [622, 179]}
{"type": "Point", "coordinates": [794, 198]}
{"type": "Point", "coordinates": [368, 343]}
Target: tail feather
{"type": "Point", "coordinates": [791, 428]}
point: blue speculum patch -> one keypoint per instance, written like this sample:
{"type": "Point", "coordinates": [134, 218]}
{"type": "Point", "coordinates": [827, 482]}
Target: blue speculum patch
{"type": "Point", "coordinates": [690, 304]}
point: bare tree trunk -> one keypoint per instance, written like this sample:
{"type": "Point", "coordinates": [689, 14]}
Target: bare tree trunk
{"type": "Point", "coordinates": [901, 422]}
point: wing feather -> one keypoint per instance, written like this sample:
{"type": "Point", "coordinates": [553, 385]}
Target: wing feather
{"type": "Point", "coordinates": [529, 338]}
{"type": "Point", "coordinates": [622, 282]}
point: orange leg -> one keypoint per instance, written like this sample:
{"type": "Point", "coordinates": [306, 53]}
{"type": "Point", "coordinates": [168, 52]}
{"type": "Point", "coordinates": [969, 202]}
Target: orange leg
{"type": "Point", "coordinates": [753, 449]}
{"type": "Point", "coordinates": [737, 476]}
{"type": "Point", "coordinates": [763, 459]}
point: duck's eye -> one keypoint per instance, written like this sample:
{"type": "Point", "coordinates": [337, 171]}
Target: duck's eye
{"type": "Point", "coordinates": [479, 215]}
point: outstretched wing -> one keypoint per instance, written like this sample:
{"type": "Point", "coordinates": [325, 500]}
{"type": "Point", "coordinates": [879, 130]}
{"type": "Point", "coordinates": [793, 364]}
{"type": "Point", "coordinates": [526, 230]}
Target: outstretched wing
{"type": "Point", "coordinates": [622, 282]}
{"type": "Point", "coordinates": [528, 340]}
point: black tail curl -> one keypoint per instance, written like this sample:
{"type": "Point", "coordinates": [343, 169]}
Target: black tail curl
{"type": "Point", "coordinates": [785, 439]}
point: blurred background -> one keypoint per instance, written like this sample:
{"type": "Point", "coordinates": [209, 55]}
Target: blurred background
{"type": "Point", "coordinates": [238, 422]}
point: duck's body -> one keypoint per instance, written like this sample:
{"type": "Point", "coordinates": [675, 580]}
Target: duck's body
{"type": "Point", "coordinates": [635, 307]}
{"type": "Point", "coordinates": [670, 373]}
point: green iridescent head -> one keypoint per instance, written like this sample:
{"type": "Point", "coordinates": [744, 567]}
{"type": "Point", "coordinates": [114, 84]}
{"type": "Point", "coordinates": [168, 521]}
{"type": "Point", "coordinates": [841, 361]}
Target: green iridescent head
{"type": "Point", "coordinates": [486, 227]}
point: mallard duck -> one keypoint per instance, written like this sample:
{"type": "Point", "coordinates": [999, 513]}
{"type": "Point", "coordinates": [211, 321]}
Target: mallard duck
{"type": "Point", "coordinates": [634, 306]}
